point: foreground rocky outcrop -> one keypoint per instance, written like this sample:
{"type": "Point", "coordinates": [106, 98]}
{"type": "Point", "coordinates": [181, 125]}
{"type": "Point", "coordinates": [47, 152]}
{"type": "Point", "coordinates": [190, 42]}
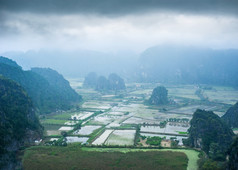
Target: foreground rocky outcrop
{"type": "Point", "coordinates": [19, 126]}
{"type": "Point", "coordinates": [210, 133]}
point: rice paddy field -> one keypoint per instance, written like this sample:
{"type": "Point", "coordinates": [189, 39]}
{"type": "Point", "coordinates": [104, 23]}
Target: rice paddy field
{"type": "Point", "coordinates": [129, 110]}
{"type": "Point", "coordinates": [115, 119]}
{"type": "Point", "coordinates": [121, 137]}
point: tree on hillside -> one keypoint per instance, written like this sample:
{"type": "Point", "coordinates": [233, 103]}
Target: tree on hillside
{"type": "Point", "coordinates": [159, 96]}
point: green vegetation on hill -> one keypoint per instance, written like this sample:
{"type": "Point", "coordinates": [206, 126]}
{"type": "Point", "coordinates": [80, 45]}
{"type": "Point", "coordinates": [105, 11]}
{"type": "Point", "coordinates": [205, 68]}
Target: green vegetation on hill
{"type": "Point", "coordinates": [210, 133]}
{"type": "Point", "coordinates": [74, 157]}
{"type": "Point", "coordinates": [18, 122]}
{"type": "Point", "coordinates": [159, 96]}
{"type": "Point", "coordinates": [47, 89]}
{"type": "Point", "coordinates": [90, 80]}
{"type": "Point", "coordinates": [233, 155]}
{"type": "Point", "coordinates": [57, 81]}
{"type": "Point", "coordinates": [9, 62]}
{"type": "Point", "coordinates": [116, 82]}
{"type": "Point", "coordinates": [231, 116]}
{"type": "Point", "coordinates": [101, 83]}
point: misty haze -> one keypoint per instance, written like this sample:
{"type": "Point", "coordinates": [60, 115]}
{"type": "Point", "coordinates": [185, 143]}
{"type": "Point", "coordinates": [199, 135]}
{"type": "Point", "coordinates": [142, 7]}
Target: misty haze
{"type": "Point", "coordinates": [136, 84]}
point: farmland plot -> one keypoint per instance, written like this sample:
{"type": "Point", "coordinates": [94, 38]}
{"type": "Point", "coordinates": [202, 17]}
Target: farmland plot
{"type": "Point", "coordinates": [52, 132]}
{"type": "Point", "coordinates": [88, 114]}
{"type": "Point", "coordinates": [97, 105]}
{"type": "Point", "coordinates": [154, 129]}
{"type": "Point", "coordinates": [138, 110]}
{"type": "Point", "coordinates": [54, 139]}
{"type": "Point", "coordinates": [179, 138]}
{"type": "Point", "coordinates": [101, 139]}
{"type": "Point", "coordinates": [185, 91]}
{"type": "Point", "coordinates": [170, 129]}
{"type": "Point", "coordinates": [73, 139]}
{"type": "Point", "coordinates": [71, 123]}
{"type": "Point", "coordinates": [121, 137]}
{"type": "Point", "coordinates": [175, 129]}
{"type": "Point", "coordinates": [76, 116]}
{"type": "Point", "coordinates": [86, 130]}
{"type": "Point", "coordinates": [138, 120]}
{"type": "Point", "coordinates": [189, 110]}
{"type": "Point", "coordinates": [81, 116]}
{"type": "Point", "coordinates": [113, 124]}
{"type": "Point", "coordinates": [103, 119]}
{"type": "Point", "coordinates": [66, 128]}
{"type": "Point", "coordinates": [222, 95]}
{"type": "Point", "coordinates": [116, 113]}
{"type": "Point", "coordinates": [164, 116]}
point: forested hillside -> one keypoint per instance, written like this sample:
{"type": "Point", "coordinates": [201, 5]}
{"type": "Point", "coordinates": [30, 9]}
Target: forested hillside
{"type": "Point", "coordinates": [19, 125]}
{"type": "Point", "coordinates": [101, 83]}
{"type": "Point", "coordinates": [210, 133]}
{"type": "Point", "coordinates": [233, 155]}
{"type": "Point", "coordinates": [57, 81]}
{"type": "Point", "coordinates": [47, 92]}
{"type": "Point", "coordinates": [231, 116]}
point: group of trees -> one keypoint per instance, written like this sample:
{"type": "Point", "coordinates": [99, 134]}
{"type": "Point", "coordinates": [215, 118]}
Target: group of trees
{"type": "Point", "coordinates": [101, 83]}
{"type": "Point", "coordinates": [48, 89]}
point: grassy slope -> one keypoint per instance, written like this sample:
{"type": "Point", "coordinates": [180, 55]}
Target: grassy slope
{"type": "Point", "coordinates": [73, 157]}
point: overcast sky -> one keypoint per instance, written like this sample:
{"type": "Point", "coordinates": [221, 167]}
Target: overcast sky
{"type": "Point", "coordinates": [117, 25]}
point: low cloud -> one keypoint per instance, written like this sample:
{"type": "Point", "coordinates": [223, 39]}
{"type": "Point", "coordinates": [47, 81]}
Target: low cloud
{"type": "Point", "coordinates": [111, 25]}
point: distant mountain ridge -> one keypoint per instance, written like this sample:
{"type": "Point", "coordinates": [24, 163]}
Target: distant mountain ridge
{"type": "Point", "coordinates": [163, 64]}
{"type": "Point", "coordinates": [179, 64]}
{"type": "Point", "coordinates": [46, 95]}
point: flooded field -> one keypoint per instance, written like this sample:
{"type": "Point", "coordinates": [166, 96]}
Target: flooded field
{"type": "Point", "coordinates": [121, 137]}
{"type": "Point", "coordinates": [86, 130]}
{"type": "Point", "coordinates": [101, 139]}
{"type": "Point", "coordinates": [73, 139]}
